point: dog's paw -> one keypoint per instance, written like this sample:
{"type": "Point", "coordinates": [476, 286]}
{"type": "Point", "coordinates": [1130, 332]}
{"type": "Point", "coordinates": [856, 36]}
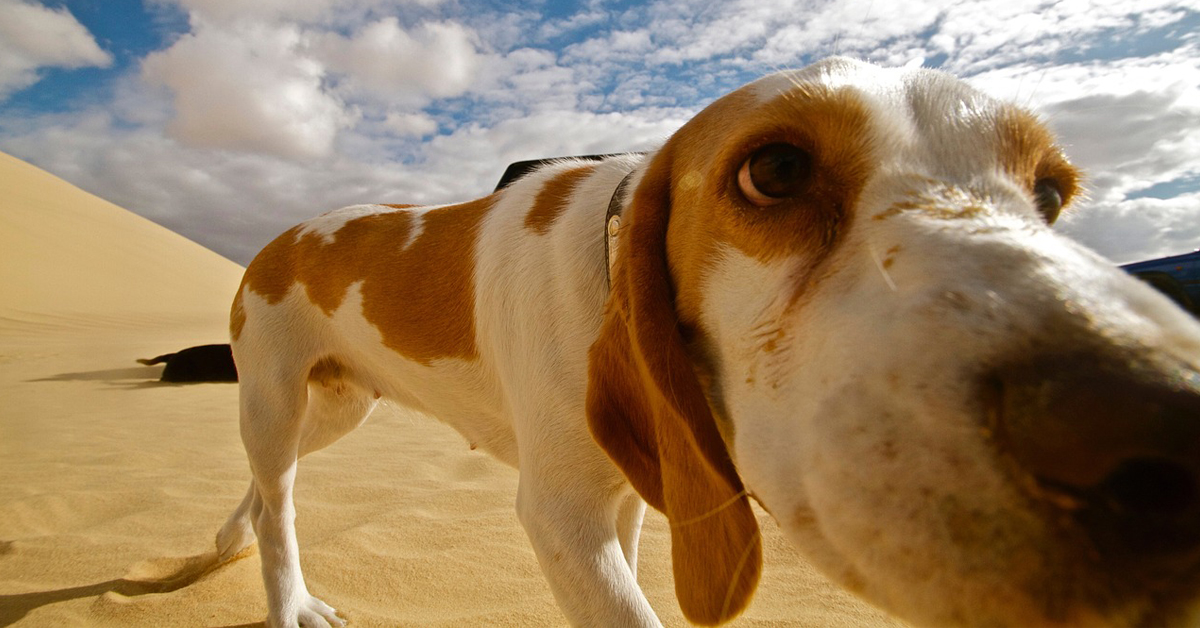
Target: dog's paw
{"type": "Point", "coordinates": [233, 539]}
{"type": "Point", "coordinates": [316, 614]}
{"type": "Point", "coordinates": [308, 613]}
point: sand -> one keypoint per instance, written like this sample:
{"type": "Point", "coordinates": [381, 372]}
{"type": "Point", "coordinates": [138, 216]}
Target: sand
{"type": "Point", "coordinates": [112, 485]}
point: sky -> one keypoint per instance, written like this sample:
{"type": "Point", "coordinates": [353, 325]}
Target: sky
{"type": "Point", "coordinates": [228, 121]}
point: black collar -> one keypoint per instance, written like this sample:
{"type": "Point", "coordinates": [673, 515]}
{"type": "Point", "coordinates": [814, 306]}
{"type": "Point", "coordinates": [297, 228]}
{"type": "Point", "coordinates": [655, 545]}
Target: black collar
{"type": "Point", "coordinates": [612, 225]}
{"type": "Point", "coordinates": [612, 221]}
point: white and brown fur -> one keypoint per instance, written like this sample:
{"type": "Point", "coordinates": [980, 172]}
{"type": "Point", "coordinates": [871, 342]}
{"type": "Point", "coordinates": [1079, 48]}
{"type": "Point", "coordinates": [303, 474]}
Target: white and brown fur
{"type": "Point", "coordinates": [891, 362]}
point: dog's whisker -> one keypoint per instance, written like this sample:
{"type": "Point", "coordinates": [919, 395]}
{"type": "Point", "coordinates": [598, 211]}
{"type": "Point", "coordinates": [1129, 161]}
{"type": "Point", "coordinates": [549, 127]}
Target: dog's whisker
{"type": "Point", "coordinates": [755, 540]}
{"type": "Point", "coordinates": [712, 513]}
{"type": "Point", "coordinates": [887, 278]}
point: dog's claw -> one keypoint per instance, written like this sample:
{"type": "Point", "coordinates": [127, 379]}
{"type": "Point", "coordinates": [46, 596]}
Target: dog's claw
{"type": "Point", "coordinates": [318, 614]}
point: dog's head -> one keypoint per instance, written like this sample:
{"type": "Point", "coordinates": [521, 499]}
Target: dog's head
{"type": "Point", "coordinates": [839, 293]}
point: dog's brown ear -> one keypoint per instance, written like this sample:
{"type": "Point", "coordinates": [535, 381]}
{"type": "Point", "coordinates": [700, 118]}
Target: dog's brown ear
{"type": "Point", "coordinates": [647, 409]}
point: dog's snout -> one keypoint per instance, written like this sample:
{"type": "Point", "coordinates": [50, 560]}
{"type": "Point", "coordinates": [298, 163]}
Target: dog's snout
{"type": "Point", "coordinates": [1117, 445]}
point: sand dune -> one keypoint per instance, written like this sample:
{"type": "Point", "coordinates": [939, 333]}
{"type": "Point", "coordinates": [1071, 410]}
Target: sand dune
{"type": "Point", "coordinates": [112, 485]}
{"type": "Point", "coordinates": [66, 255]}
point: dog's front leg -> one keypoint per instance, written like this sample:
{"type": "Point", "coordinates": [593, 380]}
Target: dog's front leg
{"type": "Point", "coordinates": [571, 511]}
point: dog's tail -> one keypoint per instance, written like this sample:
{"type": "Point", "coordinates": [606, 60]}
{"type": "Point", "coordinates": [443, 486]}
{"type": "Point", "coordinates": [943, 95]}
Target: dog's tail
{"type": "Point", "coordinates": [159, 360]}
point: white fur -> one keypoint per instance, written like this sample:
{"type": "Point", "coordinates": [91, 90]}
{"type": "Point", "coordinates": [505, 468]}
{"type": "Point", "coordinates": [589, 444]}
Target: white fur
{"type": "Point", "coordinates": [847, 376]}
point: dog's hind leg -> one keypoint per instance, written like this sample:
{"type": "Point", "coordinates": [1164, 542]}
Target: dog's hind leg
{"type": "Point", "coordinates": [331, 414]}
{"type": "Point", "coordinates": [280, 424]}
{"type": "Point", "coordinates": [238, 533]}
{"type": "Point", "coordinates": [272, 420]}
{"type": "Point", "coordinates": [284, 416]}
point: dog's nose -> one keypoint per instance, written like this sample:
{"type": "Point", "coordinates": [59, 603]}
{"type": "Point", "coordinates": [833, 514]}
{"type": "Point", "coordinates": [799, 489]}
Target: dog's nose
{"type": "Point", "coordinates": [1119, 445]}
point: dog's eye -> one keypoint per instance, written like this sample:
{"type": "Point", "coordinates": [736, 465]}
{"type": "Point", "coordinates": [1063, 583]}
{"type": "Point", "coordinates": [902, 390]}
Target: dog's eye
{"type": "Point", "coordinates": [1049, 199]}
{"type": "Point", "coordinates": [774, 173]}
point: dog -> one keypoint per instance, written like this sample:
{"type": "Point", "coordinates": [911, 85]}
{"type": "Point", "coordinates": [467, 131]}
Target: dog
{"type": "Point", "coordinates": [835, 291]}
{"type": "Point", "coordinates": [204, 363]}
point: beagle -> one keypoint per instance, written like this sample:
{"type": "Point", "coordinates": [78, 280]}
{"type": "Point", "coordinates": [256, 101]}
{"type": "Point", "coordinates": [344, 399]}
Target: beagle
{"type": "Point", "coordinates": [835, 291]}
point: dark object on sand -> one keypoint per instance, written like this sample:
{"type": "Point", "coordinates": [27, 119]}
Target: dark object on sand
{"type": "Point", "coordinates": [206, 363]}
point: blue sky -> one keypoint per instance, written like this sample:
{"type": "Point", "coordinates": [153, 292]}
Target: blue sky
{"type": "Point", "coordinates": [124, 29]}
{"type": "Point", "coordinates": [229, 121]}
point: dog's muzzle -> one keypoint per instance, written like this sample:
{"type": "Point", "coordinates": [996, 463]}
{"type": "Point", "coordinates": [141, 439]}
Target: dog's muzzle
{"type": "Point", "coordinates": [1113, 445]}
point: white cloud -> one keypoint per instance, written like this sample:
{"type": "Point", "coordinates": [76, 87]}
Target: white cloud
{"type": "Point", "coordinates": [554, 133]}
{"type": "Point", "coordinates": [33, 36]}
{"type": "Point", "coordinates": [507, 30]}
{"type": "Point", "coordinates": [524, 80]}
{"type": "Point", "coordinates": [560, 27]}
{"type": "Point", "coordinates": [284, 88]}
{"type": "Point", "coordinates": [249, 86]}
{"type": "Point", "coordinates": [1130, 123]}
{"type": "Point", "coordinates": [1137, 229]}
{"type": "Point", "coordinates": [1023, 29]}
{"type": "Point", "coordinates": [621, 44]}
{"type": "Point", "coordinates": [856, 27]}
{"type": "Point", "coordinates": [236, 10]}
{"type": "Point", "coordinates": [974, 36]}
{"type": "Point", "coordinates": [410, 124]}
{"type": "Point", "coordinates": [305, 11]}
{"type": "Point", "coordinates": [385, 61]}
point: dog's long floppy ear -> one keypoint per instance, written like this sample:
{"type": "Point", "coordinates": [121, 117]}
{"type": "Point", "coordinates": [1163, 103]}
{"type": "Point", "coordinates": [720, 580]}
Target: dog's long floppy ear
{"type": "Point", "coordinates": [646, 408]}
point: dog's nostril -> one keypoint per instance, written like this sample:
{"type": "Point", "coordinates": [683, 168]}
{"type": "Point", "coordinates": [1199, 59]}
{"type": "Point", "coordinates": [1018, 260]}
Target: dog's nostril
{"type": "Point", "coordinates": [1150, 487]}
{"type": "Point", "coordinates": [1147, 507]}
{"type": "Point", "coordinates": [1117, 447]}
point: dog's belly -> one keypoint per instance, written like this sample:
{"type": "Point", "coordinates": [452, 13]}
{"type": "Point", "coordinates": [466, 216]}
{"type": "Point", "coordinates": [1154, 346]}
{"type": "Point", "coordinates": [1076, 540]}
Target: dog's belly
{"type": "Point", "coordinates": [463, 393]}
{"type": "Point", "coordinates": [458, 393]}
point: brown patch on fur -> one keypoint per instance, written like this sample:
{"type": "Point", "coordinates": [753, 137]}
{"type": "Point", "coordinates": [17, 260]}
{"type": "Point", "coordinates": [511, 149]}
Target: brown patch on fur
{"type": "Point", "coordinates": [420, 297]}
{"type": "Point", "coordinates": [1030, 153]}
{"type": "Point", "coordinates": [553, 199]}
{"type": "Point", "coordinates": [709, 208]}
{"type": "Point", "coordinates": [273, 271]}
{"type": "Point", "coordinates": [237, 315]}
{"type": "Point", "coordinates": [890, 258]}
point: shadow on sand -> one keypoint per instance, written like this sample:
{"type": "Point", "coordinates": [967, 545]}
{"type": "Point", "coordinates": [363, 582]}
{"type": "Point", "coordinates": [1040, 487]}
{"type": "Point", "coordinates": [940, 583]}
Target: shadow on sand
{"type": "Point", "coordinates": [106, 375]}
{"type": "Point", "coordinates": [132, 377]}
{"type": "Point", "coordinates": [152, 576]}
